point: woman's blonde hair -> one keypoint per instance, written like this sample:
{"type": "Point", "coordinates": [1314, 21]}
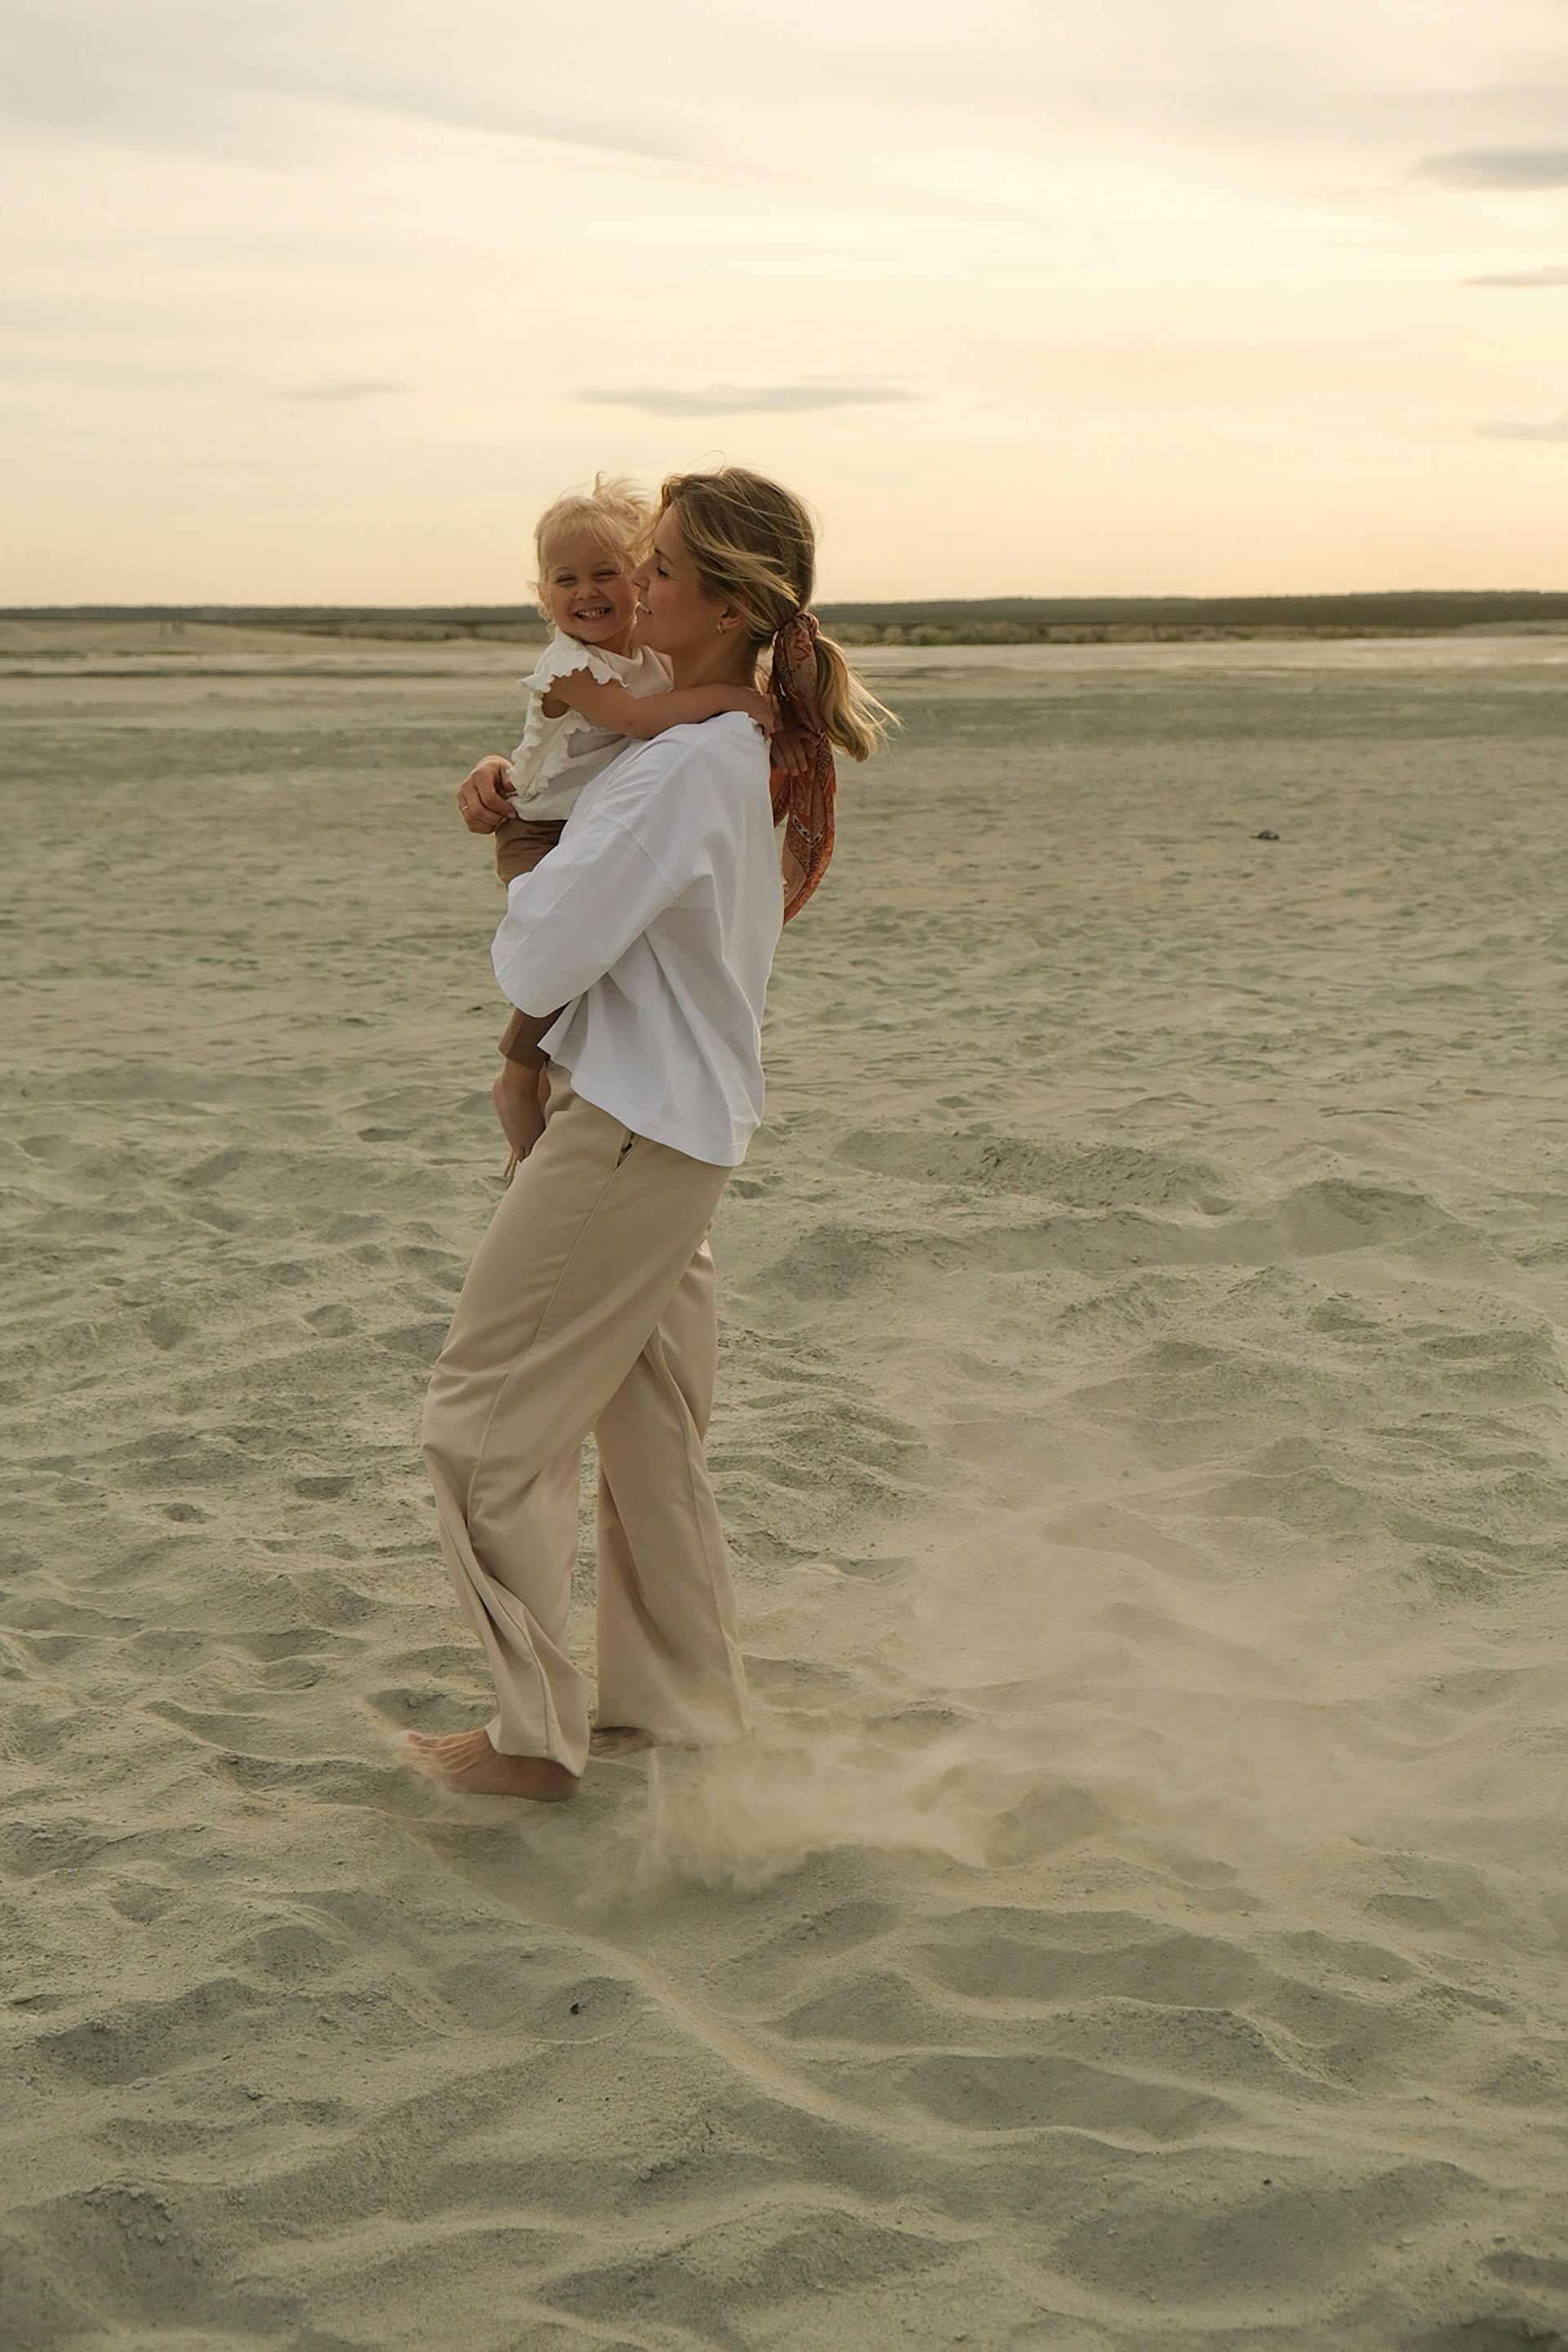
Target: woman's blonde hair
{"type": "Point", "coordinates": [754, 544]}
{"type": "Point", "coordinates": [616, 514]}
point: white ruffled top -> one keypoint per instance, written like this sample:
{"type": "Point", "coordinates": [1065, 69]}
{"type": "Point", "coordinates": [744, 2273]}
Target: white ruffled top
{"type": "Point", "coordinates": [558, 756]}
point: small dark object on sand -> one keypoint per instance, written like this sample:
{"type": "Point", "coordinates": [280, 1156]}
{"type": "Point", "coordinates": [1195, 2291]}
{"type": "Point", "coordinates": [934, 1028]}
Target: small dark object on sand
{"type": "Point", "coordinates": [1265, 835]}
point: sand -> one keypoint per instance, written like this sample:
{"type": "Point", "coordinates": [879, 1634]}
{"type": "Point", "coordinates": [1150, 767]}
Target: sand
{"type": "Point", "coordinates": [1140, 1432]}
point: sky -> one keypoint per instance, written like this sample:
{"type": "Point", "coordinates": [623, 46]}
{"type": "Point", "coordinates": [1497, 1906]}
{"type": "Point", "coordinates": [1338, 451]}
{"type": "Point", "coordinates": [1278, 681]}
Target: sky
{"type": "Point", "coordinates": [323, 301]}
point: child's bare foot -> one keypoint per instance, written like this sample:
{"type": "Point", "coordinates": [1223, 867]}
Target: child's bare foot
{"type": "Point", "coordinates": [466, 1761]}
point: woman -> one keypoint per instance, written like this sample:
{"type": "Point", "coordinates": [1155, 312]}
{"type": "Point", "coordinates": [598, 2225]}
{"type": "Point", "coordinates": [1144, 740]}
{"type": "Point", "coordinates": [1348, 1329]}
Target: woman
{"type": "Point", "coordinates": [590, 1304]}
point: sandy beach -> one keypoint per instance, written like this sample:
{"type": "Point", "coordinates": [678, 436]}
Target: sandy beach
{"type": "Point", "coordinates": [1140, 1919]}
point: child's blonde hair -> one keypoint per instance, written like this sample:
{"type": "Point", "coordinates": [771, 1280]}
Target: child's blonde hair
{"type": "Point", "coordinates": [755, 543]}
{"type": "Point", "coordinates": [616, 514]}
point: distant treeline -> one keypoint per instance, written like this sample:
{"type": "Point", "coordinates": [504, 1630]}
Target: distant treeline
{"type": "Point", "coordinates": [1413, 609]}
{"type": "Point", "coordinates": [988, 620]}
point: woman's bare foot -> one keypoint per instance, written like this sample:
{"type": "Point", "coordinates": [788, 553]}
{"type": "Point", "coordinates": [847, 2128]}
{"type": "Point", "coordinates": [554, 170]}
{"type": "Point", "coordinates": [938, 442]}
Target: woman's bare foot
{"type": "Point", "coordinates": [611, 1740]}
{"type": "Point", "coordinates": [466, 1761]}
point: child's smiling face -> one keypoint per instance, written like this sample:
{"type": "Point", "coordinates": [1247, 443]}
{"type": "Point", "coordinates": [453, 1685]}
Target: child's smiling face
{"type": "Point", "coordinates": [590, 594]}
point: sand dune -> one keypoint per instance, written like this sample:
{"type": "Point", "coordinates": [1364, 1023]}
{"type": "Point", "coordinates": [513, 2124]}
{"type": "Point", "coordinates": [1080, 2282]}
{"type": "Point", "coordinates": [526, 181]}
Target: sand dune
{"type": "Point", "coordinates": [1140, 1432]}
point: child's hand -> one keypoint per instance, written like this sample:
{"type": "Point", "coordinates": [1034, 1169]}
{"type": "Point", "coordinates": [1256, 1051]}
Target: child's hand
{"type": "Point", "coordinates": [485, 794]}
{"type": "Point", "coordinates": [790, 751]}
{"type": "Point", "coordinates": [758, 707]}
{"type": "Point", "coordinates": [515, 1095]}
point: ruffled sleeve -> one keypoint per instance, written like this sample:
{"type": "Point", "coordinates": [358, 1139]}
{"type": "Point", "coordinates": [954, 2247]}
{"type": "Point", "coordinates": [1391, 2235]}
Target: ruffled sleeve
{"type": "Point", "coordinates": [561, 656]}
{"type": "Point", "coordinates": [544, 747]}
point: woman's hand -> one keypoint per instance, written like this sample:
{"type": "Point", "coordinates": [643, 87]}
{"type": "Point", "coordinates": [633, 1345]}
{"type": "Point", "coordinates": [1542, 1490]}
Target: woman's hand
{"type": "Point", "coordinates": [484, 796]}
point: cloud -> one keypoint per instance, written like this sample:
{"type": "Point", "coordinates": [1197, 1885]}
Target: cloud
{"type": "Point", "coordinates": [1499, 167]}
{"type": "Point", "coordinates": [734, 399]}
{"type": "Point", "coordinates": [343, 388]}
{"type": "Point", "coordinates": [1553, 274]}
{"type": "Point", "coordinates": [278, 88]}
{"type": "Point", "coordinates": [1554, 429]}
{"type": "Point", "coordinates": [925, 125]}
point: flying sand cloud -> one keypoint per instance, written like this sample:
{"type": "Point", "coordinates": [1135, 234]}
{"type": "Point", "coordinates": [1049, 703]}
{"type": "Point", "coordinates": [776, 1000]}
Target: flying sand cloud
{"type": "Point", "coordinates": [734, 399]}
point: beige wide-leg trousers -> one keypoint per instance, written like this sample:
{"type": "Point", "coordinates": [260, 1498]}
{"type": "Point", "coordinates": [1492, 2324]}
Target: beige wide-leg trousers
{"type": "Point", "coordinates": [590, 1306]}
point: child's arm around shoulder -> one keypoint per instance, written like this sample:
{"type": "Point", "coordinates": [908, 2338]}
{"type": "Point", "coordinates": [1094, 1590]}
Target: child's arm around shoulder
{"type": "Point", "coordinates": [643, 716]}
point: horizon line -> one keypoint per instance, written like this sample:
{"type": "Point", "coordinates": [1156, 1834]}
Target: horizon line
{"type": "Point", "coordinates": [850, 606]}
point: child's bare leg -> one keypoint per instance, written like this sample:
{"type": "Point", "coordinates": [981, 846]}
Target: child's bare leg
{"type": "Point", "coordinates": [521, 1091]}
{"type": "Point", "coordinates": [516, 1095]}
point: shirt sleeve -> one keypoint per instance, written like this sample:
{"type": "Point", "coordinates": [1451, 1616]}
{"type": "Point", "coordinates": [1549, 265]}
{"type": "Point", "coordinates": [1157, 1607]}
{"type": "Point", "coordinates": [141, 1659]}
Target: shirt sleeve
{"type": "Point", "coordinates": [576, 914]}
{"type": "Point", "coordinates": [562, 658]}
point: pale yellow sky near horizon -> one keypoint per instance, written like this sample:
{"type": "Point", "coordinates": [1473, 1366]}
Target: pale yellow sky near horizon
{"type": "Point", "coordinates": [323, 305]}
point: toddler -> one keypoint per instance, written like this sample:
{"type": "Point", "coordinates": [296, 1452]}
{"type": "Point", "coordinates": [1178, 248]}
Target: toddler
{"type": "Point", "coordinates": [589, 694]}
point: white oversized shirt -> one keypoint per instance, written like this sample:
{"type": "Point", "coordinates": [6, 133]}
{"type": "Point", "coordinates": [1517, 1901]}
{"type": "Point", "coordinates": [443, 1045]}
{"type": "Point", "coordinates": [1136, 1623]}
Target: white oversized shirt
{"type": "Point", "coordinates": [657, 915]}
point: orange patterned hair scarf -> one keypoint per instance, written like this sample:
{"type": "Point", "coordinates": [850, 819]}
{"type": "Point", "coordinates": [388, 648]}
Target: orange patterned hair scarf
{"type": "Point", "coordinates": [803, 804]}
